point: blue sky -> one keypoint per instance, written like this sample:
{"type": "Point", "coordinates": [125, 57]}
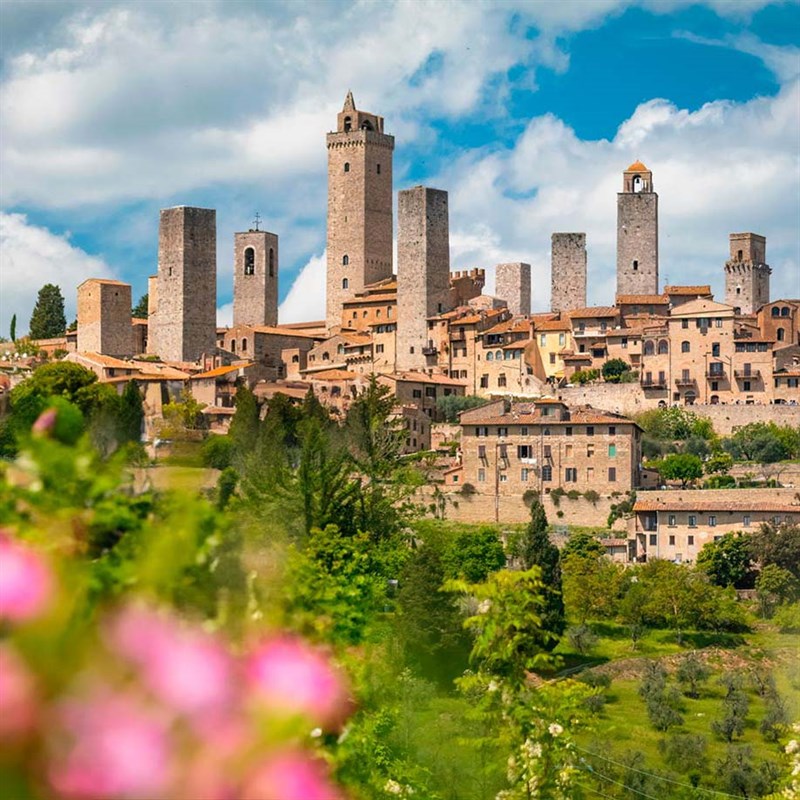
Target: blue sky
{"type": "Point", "coordinates": [526, 113]}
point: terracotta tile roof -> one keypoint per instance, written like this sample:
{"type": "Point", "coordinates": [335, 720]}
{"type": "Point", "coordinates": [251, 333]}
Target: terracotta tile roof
{"type": "Point", "coordinates": [219, 411]}
{"type": "Point", "coordinates": [637, 166]}
{"type": "Point", "coordinates": [219, 371]}
{"type": "Point", "coordinates": [386, 283]}
{"type": "Point", "coordinates": [526, 413]}
{"type": "Point", "coordinates": [421, 377]}
{"type": "Point", "coordinates": [356, 338]}
{"type": "Point", "coordinates": [138, 321]}
{"type": "Point", "coordinates": [702, 306]}
{"type": "Point", "coordinates": [107, 281]}
{"type": "Point", "coordinates": [690, 290]}
{"type": "Point", "coordinates": [334, 375]}
{"type": "Point", "coordinates": [372, 298]}
{"type": "Point", "coordinates": [281, 330]}
{"type": "Point", "coordinates": [642, 299]}
{"type": "Point", "coordinates": [104, 361]}
{"type": "Point", "coordinates": [593, 311]}
{"type": "Point", "coordinates": [552, 325]}
{"type": "Point", "coordinates": [716, 505]}
{"type": "Point", "coordinates": [316, 325]}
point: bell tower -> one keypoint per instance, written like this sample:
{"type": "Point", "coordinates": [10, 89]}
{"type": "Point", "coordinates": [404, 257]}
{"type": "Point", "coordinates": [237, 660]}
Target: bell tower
{"type": "Point", "coordinates": [359, 206]}
{"type": "Point", "coordinates": [637, 232]}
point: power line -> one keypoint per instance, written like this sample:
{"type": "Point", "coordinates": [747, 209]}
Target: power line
{"type": "Point", "coordinates": [591, 771]}
{"type": "Point", "coordinates": [596, 791]}
{"type": "Point", "coordinates": [655, 775]}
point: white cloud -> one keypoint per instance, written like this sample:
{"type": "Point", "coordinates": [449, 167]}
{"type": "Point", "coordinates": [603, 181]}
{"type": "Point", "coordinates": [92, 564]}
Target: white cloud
{"type": "Point", "coordinates": [306, 298]}
{"type": "Point", "coordinates": [31, 256]}
{"type": "Point", "coordinates": [225, 316]}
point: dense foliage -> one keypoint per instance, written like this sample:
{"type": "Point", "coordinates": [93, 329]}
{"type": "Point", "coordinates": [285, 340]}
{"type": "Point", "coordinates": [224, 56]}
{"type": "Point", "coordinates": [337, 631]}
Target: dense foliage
{"type": "Point", "coordinates": [48, 320]}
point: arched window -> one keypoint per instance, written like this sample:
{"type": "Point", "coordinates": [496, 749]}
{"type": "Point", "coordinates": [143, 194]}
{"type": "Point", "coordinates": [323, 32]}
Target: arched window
{"type": "Point", "coordinates": [295, 359]}
{"type": "Point", "coordinates": [345, 260]}
{"type": "Point", "coordinates": [348, 124]}
{"type": "Point", "coordinates": [347, 166]}
{"type": "Point", "coordinates": [271, 263]}
{"type": "Point", "coordinates": [340, 349]}
{"type": "Point", "coordinates": [366, 125]}
{"type": "Point", "coordinates": [649, 348]}
{"type": "Point", "coordinates": [345, 283]}
{"type": "Point", "coordinates": [685, 347]}
{"type": "Point", "coordinates": [714, 399]}
{"type": "Point", "coordinates": [781, 334]}
{"type": "Point", "coordinates": [785, 311]}
{"type": "Point", "coordinates": [499, 355]}
{"type": "Point", "coordinates": [233, 345]}
{"type": "Point", "coordinates": [326, 357]}
{"type": "Point", "coordinates": [637, 183]}
{"type": "Point", "coordinates": [244, 345]}
{"type": "Point", "coordinates": [663, 347]}
{"type": "Point", "coordinates": [490, 356]}
{"type": "Point", "coordinates": [546, 432]}
{"type": "Point", "coordinates": [776, 312]}
{"type": "Point", "coordinates": [249, 261]}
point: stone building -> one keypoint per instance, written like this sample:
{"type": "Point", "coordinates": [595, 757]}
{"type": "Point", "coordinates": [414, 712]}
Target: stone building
{"type": "Point", "coordinates": [747, 273]}
{"type": "Point", "coordinates": [104, 317]}
{"type": "Point", "coordinates": [255, 278]}
{"type": "Point", "coordinates": [510, 448]}
{"type": "Point", "coordinates": [780, 321]}
{"type": "Point", "coordinates": [359, 206]}
{"type": "Point", "coordinates": [567, 271]}
{"type": "Point", "coordinates": [423, 272]}
{"type": "Point", "coordinates": [185, 321]}
{"type": "Point", "coordinates": [513, 284]}
{"type": "Point", "coordinates": [637, 232]}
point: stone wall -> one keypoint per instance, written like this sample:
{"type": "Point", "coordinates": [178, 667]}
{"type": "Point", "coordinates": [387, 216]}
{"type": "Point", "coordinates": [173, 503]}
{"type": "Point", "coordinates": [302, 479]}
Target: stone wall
{"type": "Point", "coordinates": [423, 270]}
{"type": "Point", "coordinates": [104, 318]}
{"type": "Point", "coordinates": [568, 271]}
{"type": "Point", "coordinates": [255, 278]}
{"type": "Point", "coordinates": [637, 243]}
{"type": "Point", "coordinates": [513, 284]}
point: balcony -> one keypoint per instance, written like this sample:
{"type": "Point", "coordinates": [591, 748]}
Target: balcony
{"type": "Point", "coordinates": [429, 350]}
{"type": "Point", "coordinates": [684, 381]}
{"type": "Point", "coordinates": [716, 375]}
{"type": "Point", "coordinates": [591, 332]}
{"type": "Point", "coordinates": [456, 336]}
{"type": "Point", "coordinates": [747, 374]}
{"type": "Point", "coordinates": [655, 383]}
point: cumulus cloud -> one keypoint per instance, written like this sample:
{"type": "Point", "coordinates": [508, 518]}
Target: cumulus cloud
{"type": "Point", "coordinates": [306, 298]}
{"type": "Point", "coordinates": [32, 256]}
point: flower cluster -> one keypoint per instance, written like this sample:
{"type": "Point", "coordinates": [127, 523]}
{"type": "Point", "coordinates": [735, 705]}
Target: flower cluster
{"type": "Point", "coordinates": [158, 707]}
{"type": "Point", "coordinates": [792, 749]}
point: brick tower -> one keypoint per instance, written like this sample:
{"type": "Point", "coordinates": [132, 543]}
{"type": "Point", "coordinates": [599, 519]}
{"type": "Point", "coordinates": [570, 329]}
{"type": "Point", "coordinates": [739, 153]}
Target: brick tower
{"type": "Point", "coordinates": [359, 206]}
{"type": "Point", "coordinates": [104, 318]}
{"type": "Point", "coordinates": [567, 271]}
{"type": "Point", "coordinates": [513, 284]}
{"type": "Point", "coordinates": [255, 278]}
{"type": "Point", "coordinates": [423, 270]}
{"type": "Point", "coordinates": [185, 322]}
{"type": "Point", "coordinates": [747, 273]}
{"type": "Point", "coordinates": [637, 232]}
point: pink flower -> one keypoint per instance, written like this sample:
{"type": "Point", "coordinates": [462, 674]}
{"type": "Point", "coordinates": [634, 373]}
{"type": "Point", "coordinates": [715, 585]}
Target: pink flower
{"type": "Point", "coordinates": [26, 584]}
{"type": "Point", "coordinates": [18, 705]}
{"type": "Point", "coordinates": [46, 421]}
{"type": "Point", "coordinates": [115, 748]}
{"type": "Point", "coordinates": [184, 667]}
{"type": "Point", "coordinates": [292, 677]}
{"type": "Point", "coordinates": [290, 776]}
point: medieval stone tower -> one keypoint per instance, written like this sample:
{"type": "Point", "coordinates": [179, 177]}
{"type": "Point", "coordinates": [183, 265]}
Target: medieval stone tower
{"type": "Point", "coordinates": [747, 273]}
{"type": "Point", "coordinates": [423, 270]}
{"type": "Point", "coordinates": [255, 278]}
{"type": "Point", "coordinates": [513, 284]}
{"type": "Point", "coordinates": [567, 271]}
{"type": "Point", "coordinates": [359, 206]}
{"type": "Point", "coordinates": [104, 318]}
{"type": "Point", "coordinates": [185, 321]}
{"type": "Point", "coordinates": [637, 232]}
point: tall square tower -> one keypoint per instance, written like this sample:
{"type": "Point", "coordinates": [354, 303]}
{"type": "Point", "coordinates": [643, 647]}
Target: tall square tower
{"type": "Point", "coordinates": [104, 318]}
{"type": "Point", "coordinates": [513, 284]}
{"type": "Point", "coordinates": [567, 271]}
{"type": "Point", "coordinates": [637, 232]}
{"type": "Point", "coordinates": [423, 270]}
{"type": "Point", "coordinates": [747, 273]}
{"type": "Point", "coordinates": [186, 311]}
{"type": "Point", "coordinates": [255, 278]}
{"type": "Point", "coordinates": [359, 206]}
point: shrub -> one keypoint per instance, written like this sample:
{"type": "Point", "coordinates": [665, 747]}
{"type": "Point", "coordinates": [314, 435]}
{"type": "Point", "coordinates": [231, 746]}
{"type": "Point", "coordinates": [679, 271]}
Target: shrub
{"type": "Point", "coordinates": [581, 638]}
{"type": "Point", "coordinates": [468, 488]}
{"type": "Point", "coordinates": [217, 452]}
{"type": "Point", "coordinates": [573, 494]}
{"type": "Point", "coordinates": [592, 496]}
{"type": "Point", "coordinates": [556, 496]}
{"type": "Point", "coordinates": [614, 369]}
{"type": "Point", "coordinates": [720, 482]}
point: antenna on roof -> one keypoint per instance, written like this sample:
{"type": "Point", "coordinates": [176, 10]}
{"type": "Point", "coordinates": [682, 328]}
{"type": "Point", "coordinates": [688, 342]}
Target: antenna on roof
{"type": "Point", "coordinates": [257, 220]}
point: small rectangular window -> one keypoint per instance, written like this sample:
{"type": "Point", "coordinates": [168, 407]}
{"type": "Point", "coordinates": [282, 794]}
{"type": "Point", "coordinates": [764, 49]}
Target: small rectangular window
{"type": "Point", "coordinates": [547, 473]}
{"type": "Point", "coordinates": [692, 521]}
{"type": "Point", "coordinates": [712, 520]}
{"type": "Point", "coordinates": [523, 474]}
{"type": "Point", "coordinates": [542, 339]}
{"type": "Point", "coordinates": [482, 430]}
{"type": "Point", "coordinates": [746, 521]}
{"type": "Point", "coordinates": [523, 431]}
{"type": "Point", "coordinates": [503, 477]}
{"type": "Point", "coordinates": [612, 430]}
{"type": "Point", "coordinates": [612, 451]}
{"type": "Point", "coordinates": [612, 474]}
{"type": "Point", "coordinates": [653, 539]}
{"type": "Point", "coordinates": [502, 431]}
{"type": "Point", "coordinates": [481, 475]}
{"type": "Point", "coordinates": [690, 540]}
{"type": "Point", "coordinates": [672, 539]}
{"type": "Point", "coordinates": [672, 520]}
{"type": "Point", "coordinates": [482, 452]}
{"type": "Point", "coordinates": [589, 450]}
{"type": "Point", "coordinates": [590, 430]}
{"type": "Point", "coordinates": [378, 169]}
{"type": "Point", "coordinates": [568, 430]}
{"type": "Point", "coordinates": [571, 475]}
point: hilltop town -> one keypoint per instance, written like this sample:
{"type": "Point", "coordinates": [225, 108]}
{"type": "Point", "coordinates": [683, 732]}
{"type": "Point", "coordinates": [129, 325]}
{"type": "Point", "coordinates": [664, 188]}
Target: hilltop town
{"type": "Point", "coordinates": [562, 388]}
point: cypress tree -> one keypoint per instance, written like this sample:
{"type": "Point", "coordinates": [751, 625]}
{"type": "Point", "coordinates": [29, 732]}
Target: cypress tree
{"type": "Point", "coordinates": [131, 414]}
{"type": "Point", "coordinates": [48, 320]}
{"type": "Point", "coordinates": [14, 328]}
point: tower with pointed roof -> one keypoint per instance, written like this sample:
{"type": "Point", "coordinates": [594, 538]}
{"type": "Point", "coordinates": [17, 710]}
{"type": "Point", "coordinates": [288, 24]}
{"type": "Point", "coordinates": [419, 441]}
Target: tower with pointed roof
{"type": "Point", "coordinates": [637, 232]}
{"type": "Point", "coordinates": [359, 206]}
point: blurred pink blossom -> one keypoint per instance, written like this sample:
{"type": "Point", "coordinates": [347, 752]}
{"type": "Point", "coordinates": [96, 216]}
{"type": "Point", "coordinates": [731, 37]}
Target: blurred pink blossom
{"type": "Point", "coordinates": [115, 749]}
{"type": "Point", "coordinates": [185, 667]}
{"type": "Point", "coordinates": [290, 676]}
{"type": "Point", "coordinates": [26, 585]}
{"type": "Point", "coordinates": [18, 701]}
{"type": "Point", "coordinates": [290, 776]}
{"type": "Point", "coordinates": [46, 421]}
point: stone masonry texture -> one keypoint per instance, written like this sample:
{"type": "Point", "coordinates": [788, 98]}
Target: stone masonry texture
{"type": "Point", "coordinates": [104, 318]}
{"type": "Point", "coordinates": [255, 278]}
{"type": "Point", "coordinates": [423, 270]}
{"type": "Point", "coordinates": [185, 324]}
{"type": "Point", "coordinates": [747, 273]}
{"type": "Point", "coordinates": [359, 207]}
{"type": "Point", "coordinates": [513, 284]}
{"type": "Point", "coordinates": [568, 271]}
{"type": "Point", "coordinates": [637, 234]}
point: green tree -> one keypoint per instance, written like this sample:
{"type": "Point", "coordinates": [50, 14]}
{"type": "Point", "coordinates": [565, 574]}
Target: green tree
{"type": "Point", "coordinates": [685, 752]}
{"type": "Point", "coordinates": [451, 405]}
{"type": "Point", "coordinates": [614, 369]}
{"type": "Point", "coordinates": [13, 331]}
{"type": "Point", "coordinates": [473, 555]}
{"type": "Point", "coordinates": [683, 467]}
{"type": "Point", "coordinates": [691, 673]}
{"type": "Point", "coordinates": [780, 545]}
{"type": "Point", "coordinates": [48, 320]}
{"type": "Point", "coordinates": [735, 706]}
{"type": "Point", "coordinates": [217, 452]}
{"type": "Point", "coordinates": [131, 414]}
{"type": "Point", "coordinates": [584, 545]}
{"type": "Point", "coordinates": [718, 463]}
{"type": "Point", "coordinates": [740, 777]}
{"type": "Point", "coordinates": [761, 442]}
{"type": "Point", "coordinates": [775, 585]}
{"type": "Point", "coordinates": [728, 560]}
{"type": "Point", "coordinates": [591, 587]}
{"type": "Point", "coordinates": [245, 422]}
{"type": "Point", "coordinates": [141, 309]}
{"type": "Point", "coordinates": [182, 415]}
{"type": "Point", "coordinates": [536, 550]}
